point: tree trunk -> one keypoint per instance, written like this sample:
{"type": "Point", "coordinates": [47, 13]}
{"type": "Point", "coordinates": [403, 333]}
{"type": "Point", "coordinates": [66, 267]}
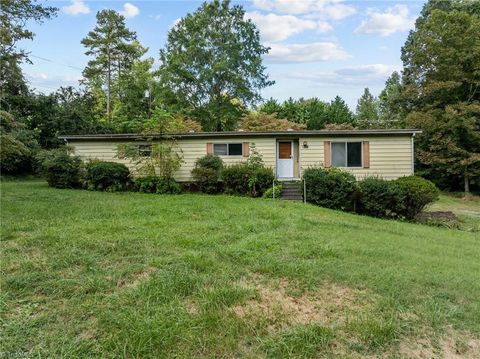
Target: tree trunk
{"type": "Point", "coordinates": [466, 182]}
{"type": "Point", "coordinates": [109, 80]}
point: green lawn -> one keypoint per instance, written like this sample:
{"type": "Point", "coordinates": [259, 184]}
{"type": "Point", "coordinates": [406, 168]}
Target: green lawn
{"type": "Point", "coordinates": [467, 209]}
{"type": "Point", "coordinates": [89, 274]}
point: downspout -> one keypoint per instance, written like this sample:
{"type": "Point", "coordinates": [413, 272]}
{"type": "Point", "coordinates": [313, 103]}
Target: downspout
{"type": "Point", "coordinates": [413, 154]}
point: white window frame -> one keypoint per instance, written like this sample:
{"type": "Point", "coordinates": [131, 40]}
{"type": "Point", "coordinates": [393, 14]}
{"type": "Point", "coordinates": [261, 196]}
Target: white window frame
{"type": "Point", "coordinates": [346, 154]}
{"type": "Point", "coordinates": [228, 148]}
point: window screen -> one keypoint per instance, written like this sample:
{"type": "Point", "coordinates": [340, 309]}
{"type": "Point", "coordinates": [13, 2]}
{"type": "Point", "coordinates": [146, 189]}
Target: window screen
{"type": "Point", "coordinates": [234, 149]}
{"type": "Point", "coordinates": [338, 154]}
{"type": "Point", "coordinates": [347, 154]}
{"type": "Point", "coordinates": [228, 149]}
{"type": "Point", "coordinates": [220, 149]}
{"type": "Point", "coordinates": [354, 154]}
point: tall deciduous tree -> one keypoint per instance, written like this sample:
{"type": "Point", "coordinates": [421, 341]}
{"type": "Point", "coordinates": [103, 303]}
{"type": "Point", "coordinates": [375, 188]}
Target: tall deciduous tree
{"type": "Point", "coordinates": [367, 110]}
{"type": "Point", "coordinates": [212, 60]}
{"type": "Point", "coordinates": [442, 88]}
{"type": "Point", "coordinates": [113, 48]}
{"type": "Point", "coordinates": [14, 16]}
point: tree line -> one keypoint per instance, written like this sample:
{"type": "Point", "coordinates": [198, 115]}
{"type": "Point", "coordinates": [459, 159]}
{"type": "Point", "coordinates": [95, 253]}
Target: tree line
{"type": "Point", "coordinates": [210, 78]}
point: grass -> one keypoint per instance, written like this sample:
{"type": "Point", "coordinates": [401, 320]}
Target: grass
{"type": "Point", "coordinates": [467, 209]}
{"type": "Point", "coordinates": [89, 274]}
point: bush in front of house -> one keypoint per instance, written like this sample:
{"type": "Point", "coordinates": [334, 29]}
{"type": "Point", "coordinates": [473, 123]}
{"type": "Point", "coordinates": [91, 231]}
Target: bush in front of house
{"type": "Point", "coordinates": [60, 169]}
{"type": "Point", "coordinates": [377, 197]}
{"type": "Point", "coordinates": [413, 194]}
{"type": "Point", "coordinates": [156, 184]}
{"type": "Point", "coordinates": [206, 173]}
{"type": "Point", "coordinates": [146, 184]}
{"type": "Point", "coordinates": [245, 179]}
{"type": "Point", "coordinates": [273, 191]}
{"type": "Point", "coordinates": [106, 176]}
{"type": "Point", "coordinates": [330, 187]}
{"type": "Point", "coordinates": [167, 185]}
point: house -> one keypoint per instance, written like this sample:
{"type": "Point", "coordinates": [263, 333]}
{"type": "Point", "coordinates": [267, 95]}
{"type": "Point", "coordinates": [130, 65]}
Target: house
{"type": "Point", "coordinates": [387, 153]}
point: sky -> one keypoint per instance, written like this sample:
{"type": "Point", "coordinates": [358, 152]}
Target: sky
{"type": "Point", "coordinates": [318, 48]}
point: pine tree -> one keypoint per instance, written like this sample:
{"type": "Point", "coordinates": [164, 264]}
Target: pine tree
{"type": "Point", "coordinates": [391, 109]}
{"type": "Point", "coordinates": [367, 110]}
{"type": "Point", "coordinates": [114, 50]}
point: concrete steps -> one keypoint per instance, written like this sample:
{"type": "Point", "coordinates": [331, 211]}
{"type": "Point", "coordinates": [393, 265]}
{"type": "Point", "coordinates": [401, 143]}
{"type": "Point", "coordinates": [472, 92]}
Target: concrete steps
{"type": "Point", "coordinates": [292, 191]}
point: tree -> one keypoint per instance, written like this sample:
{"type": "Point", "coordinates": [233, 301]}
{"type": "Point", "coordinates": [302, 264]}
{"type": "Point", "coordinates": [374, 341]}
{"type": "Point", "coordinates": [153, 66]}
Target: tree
{"type": "Point", "coordinates": [213, 58]}
{"type": "Point", "coordinates": [259, 121]}
{"type": "Point", "coordinates": [391, 109]}
{"type": "Point", "coordinates": [442, 90]}
{"type": "Point", "coordinates": [338, 112]}
{"type": "Point", "coordinates": [367, 110]}
{"type": "Point", "coordinates": [14, 16]}
{"type": "Point", "coordinates": [114, 50]}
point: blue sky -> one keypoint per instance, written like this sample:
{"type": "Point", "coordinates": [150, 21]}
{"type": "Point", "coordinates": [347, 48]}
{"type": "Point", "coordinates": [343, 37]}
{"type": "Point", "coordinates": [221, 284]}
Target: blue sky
{"type": "Point", "coordinates": [318, 48]}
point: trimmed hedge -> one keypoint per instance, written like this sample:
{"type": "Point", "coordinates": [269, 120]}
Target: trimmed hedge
{"type": "Point", "coordinates": [107, 176]}
{"type": "Point", "coordinates": [330, 187]}
{"type": "Point", "coordinates": [377, 197]}
{"type": "Point", "coordinates": [414, 193]}
{"type": "Point", "coordinates": [247, 180]}
{"type": "Point", "coordinates": [62, 170]}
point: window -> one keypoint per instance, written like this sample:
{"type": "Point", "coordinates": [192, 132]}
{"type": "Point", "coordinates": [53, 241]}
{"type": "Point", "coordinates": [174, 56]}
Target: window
{"type": "Point", "coordinates": [347, 154]}
{"type": "Point", "coordinates": [145, 150]}
{"type": "Point", "coordinates": [228, 149]}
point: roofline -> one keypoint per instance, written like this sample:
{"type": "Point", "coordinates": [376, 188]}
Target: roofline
{"type": "Point", "coordinates": [336, 133]}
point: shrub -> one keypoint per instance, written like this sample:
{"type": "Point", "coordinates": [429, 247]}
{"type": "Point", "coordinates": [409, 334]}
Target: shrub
{"type": "Point", "coordinates": [269, 193]}
{"type": "Point", "coordinates": [247, 180]}
{"type": "Point", "coordinates": [167, 185]}
{"type": "Point", "coordinates": [15, 157]}
{"type": "Point", "coordinates": [107, 176]}
{"type": "Point", "coordinates": [147, 184]}
{"type": "Point", "coordinates": [377, 197]}
{"type": "Point", "coordinates": [210, 161]}
{"type": "Point", "coordinates": [414, 193]}
{"type": "Point", "coordinates": [60, 169]}
{"type": "Point", "coordinates": [156, 184]}
{"type": "Point", "coordinates": [206, 173]}
{"type": "Point", "coordinates": [331, 188]}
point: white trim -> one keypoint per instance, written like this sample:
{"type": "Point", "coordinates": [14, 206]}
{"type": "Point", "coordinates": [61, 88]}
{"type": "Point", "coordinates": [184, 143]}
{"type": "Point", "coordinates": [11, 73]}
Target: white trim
{"type": "Point", "coordinates": [413, 154]}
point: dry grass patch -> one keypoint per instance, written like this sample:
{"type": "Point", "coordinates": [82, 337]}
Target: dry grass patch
{"type": "Point", "coordinates": [135, 280]}
{"type": "Point", "coordinates": [453, 344]}
{"type": "Point", "coordinates": [330, 304]}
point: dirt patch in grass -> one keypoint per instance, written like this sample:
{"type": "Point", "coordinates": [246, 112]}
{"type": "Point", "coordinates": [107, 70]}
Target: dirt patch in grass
{"type": "Point", "coordinates": [135, 280]}
{"type": "Point", "coordinates": [329, 304]}
{"type": "Point", "coordinates": [453, 344]}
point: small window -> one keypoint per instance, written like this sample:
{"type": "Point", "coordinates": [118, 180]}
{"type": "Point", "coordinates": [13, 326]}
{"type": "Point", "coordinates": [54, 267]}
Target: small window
{"type": "Point", "coordinates": [347, 154]}
{"type": "Point", "coordinates": [228, 149]}
{"type": "Point", "coordinates": [145, 150]}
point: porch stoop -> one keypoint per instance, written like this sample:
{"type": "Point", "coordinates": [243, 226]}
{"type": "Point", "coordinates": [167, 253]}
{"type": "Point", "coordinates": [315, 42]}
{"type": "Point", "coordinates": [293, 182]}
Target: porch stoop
{"type": "Point", "coordinates": [292, 191]}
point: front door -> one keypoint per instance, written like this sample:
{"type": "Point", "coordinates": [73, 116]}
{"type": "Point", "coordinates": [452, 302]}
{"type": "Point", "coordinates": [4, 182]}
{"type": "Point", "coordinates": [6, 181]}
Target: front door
{"type": "Point", "coordinates": [285, 159]}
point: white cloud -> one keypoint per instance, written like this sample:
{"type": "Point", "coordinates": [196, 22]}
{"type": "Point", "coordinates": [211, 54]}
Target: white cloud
{"type": "Point", "coordinates": [394, 19]}
{"type": "Point", "coordinates": [280, 27]}
{"type": "Point", "coordinates": [311, 52]}
{"type": "Point", "coordinates": [362, 75]}
{"type": "Point", "coordinates": [129, 10]}
{"type": "Point", "coordinates": [323, 9]}
{"type": "Point", "coordinates": [77, 7]}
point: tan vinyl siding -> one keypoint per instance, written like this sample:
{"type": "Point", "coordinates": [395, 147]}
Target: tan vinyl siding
{"type": "Point", "coordinates": [390, 157]}
{"type": "Point", "coordinates": [192, 149]}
